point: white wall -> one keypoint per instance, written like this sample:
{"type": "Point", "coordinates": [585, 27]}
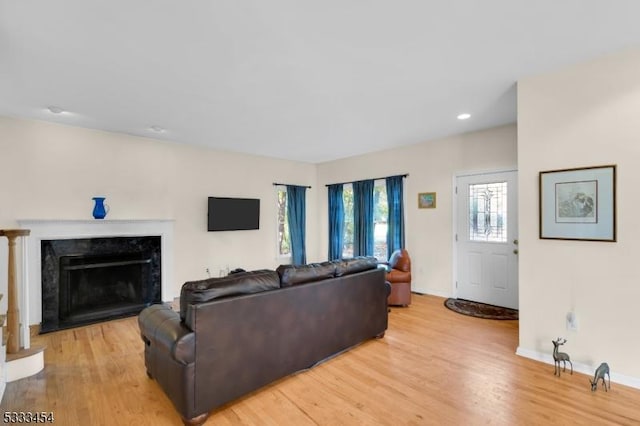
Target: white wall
{"type": "Point", "coordinates": [431, 167]}
{"type": "Point", "coordinates": [50, 171]}
{"type": "Point", "coordinates": [585, 115]}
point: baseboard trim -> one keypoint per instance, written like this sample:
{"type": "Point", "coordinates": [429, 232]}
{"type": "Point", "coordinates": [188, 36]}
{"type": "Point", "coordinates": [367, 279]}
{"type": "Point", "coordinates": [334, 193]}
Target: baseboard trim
{"type": "Point", "coordinates": [587, 369]}
{"type": "Point", "coordinates": [432, 293]}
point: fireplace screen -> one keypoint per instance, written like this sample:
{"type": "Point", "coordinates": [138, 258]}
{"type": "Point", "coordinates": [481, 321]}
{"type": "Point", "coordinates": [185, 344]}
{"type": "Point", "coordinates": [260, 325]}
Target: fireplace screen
{"type": "Point", "coordinates": [91, 286]}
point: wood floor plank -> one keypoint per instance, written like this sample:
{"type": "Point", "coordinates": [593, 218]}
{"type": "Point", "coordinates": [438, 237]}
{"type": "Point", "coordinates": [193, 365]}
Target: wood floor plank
{"type": "Point", "coordinates": [433, 367]}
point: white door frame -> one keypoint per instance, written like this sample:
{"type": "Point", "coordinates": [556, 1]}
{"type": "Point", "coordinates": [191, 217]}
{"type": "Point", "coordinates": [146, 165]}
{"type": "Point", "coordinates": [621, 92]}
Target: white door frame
{"type": "Point", "coordinates": [454, 225]}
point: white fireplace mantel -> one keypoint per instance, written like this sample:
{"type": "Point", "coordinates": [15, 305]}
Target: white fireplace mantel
{"type": "Point", "coordinates": [31, 291]}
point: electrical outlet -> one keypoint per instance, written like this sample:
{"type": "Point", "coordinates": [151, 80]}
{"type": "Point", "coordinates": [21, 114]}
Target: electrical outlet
{"type": "Point", "coordinates": [572, 321]}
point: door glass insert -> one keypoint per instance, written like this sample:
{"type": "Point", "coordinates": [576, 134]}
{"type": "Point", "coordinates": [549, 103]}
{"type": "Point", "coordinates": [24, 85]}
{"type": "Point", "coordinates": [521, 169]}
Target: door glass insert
{"type": "Point", "coordinates": [488, 212]}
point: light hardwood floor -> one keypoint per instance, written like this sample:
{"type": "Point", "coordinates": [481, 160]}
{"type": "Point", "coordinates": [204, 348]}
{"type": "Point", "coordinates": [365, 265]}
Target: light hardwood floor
{"type": "Point", "coordinates": [432, 367]}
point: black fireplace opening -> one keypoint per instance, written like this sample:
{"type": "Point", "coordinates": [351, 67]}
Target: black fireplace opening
{"type": "Point", "coordinates": [97, 279]}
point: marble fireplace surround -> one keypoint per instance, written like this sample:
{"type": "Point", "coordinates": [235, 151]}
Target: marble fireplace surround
{"type": "Point", "coordinates": [31, 291]}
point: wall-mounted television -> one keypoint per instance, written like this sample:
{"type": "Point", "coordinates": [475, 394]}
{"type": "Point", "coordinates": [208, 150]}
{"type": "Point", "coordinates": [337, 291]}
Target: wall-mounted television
{"type": "Point", "coordinates": [233, 214]}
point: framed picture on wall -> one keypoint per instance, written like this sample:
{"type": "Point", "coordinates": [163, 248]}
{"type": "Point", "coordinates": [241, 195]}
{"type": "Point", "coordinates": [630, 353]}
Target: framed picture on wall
{"type": "Point", "coordinates": [427, 200]}
{"type": "Point", "coordinates": [578, 204]}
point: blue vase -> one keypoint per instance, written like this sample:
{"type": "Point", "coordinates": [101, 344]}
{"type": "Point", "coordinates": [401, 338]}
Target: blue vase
{"type": "Point", "coordinates": [99, 209]}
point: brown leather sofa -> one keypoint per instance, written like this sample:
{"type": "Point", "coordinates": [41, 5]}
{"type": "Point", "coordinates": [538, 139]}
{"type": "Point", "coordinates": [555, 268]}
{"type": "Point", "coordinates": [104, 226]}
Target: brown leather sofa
{"type": "Point", "coordinates": [236, 334]}
{"type": "Point", "coordinates": [399, 276]}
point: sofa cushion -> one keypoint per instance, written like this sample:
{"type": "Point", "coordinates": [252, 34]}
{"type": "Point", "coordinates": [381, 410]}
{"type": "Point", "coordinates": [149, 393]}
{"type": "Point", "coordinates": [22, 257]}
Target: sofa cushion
{"type": "Point", "coordinates": [300, 274]}
{"type": "Point", "coordinates": [356, 264]}
{"type": "Point", "coordinates": [231, 285]}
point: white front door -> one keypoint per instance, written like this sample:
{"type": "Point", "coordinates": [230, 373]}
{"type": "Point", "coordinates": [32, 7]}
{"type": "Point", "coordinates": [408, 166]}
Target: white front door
{"type": "Point", "coordinates": [487, 238]}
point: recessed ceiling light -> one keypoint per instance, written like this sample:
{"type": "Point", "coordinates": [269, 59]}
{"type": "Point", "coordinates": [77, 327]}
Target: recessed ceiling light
{"type": "Point", "coordinates": [157, 129]}
{"type": "Point", "coordinates": [55, 109]}
{"type": "Point", "coordinates": [464, 116]}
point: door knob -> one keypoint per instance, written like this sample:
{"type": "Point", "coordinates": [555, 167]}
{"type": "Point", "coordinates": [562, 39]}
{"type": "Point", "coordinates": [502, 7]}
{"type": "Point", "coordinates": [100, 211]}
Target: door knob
{"type": "Point", "coordinates": [515, 251]}
{"type": "Point", "coordinates": [515, 242]}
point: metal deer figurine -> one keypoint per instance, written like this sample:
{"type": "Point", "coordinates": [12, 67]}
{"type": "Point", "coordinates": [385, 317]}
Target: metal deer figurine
{"type": "Point", "coordinates": [600, 373]}
{"type": "Point", "coordinates": [560, 357]}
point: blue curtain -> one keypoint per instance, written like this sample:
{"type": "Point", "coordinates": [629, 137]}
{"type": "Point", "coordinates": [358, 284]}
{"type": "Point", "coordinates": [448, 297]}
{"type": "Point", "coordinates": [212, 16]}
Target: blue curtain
{"type": "Point", "coordinates": [395, 219]}
{"type": "Point", "coordinates": [336, 221]}
{"type": "Point", "coordinates": [363, 218]}
{"type": "Point", "coordinates": [296, 212]}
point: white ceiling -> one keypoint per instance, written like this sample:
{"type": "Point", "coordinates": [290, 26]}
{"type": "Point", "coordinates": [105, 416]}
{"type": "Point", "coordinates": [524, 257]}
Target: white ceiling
{"type": "Point", "coordinates": [303, 80]}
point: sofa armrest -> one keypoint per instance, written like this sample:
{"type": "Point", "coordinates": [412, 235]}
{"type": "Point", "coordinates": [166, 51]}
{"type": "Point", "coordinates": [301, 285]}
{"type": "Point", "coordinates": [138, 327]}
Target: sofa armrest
{"type": "Point", "coordinates": [162, 330]}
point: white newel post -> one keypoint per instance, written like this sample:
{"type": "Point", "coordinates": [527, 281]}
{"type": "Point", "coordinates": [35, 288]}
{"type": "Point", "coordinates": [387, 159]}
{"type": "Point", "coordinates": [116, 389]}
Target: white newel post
{"type": "Point", "coordinates": [13, 290]}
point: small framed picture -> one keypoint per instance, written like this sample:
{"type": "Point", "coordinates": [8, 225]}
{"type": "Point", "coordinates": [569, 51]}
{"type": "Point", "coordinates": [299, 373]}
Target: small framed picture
{"type": "Point", "coordinates": [427, 200]}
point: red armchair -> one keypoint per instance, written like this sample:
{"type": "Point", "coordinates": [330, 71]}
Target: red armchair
{"type": "Point", "coordinates": [399, 275]}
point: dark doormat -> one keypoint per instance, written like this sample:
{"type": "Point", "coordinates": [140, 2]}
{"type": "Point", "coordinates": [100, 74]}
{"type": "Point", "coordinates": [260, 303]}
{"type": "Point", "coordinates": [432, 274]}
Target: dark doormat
{"type": "Point", "coordinates": [480, 310]}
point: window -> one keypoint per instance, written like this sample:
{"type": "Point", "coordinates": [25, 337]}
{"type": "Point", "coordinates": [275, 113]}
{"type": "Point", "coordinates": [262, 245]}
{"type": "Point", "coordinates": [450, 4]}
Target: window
{"type": "Point", "coordinates": [347, 199]}
{"type": "Point", "coordinates": [488, 212]}
{"type": "Point", "coordinates": [284, 242]}
{"type": "Point", "coordinates": [380, 213]}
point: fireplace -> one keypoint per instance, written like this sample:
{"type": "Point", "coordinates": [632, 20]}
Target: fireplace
{"type": "Point", "coordinates": [96, 279]}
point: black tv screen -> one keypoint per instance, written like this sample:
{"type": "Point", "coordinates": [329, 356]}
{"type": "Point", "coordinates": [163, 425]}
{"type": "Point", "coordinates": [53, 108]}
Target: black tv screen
{"type": "Point", "coordinates": [233, 214]}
